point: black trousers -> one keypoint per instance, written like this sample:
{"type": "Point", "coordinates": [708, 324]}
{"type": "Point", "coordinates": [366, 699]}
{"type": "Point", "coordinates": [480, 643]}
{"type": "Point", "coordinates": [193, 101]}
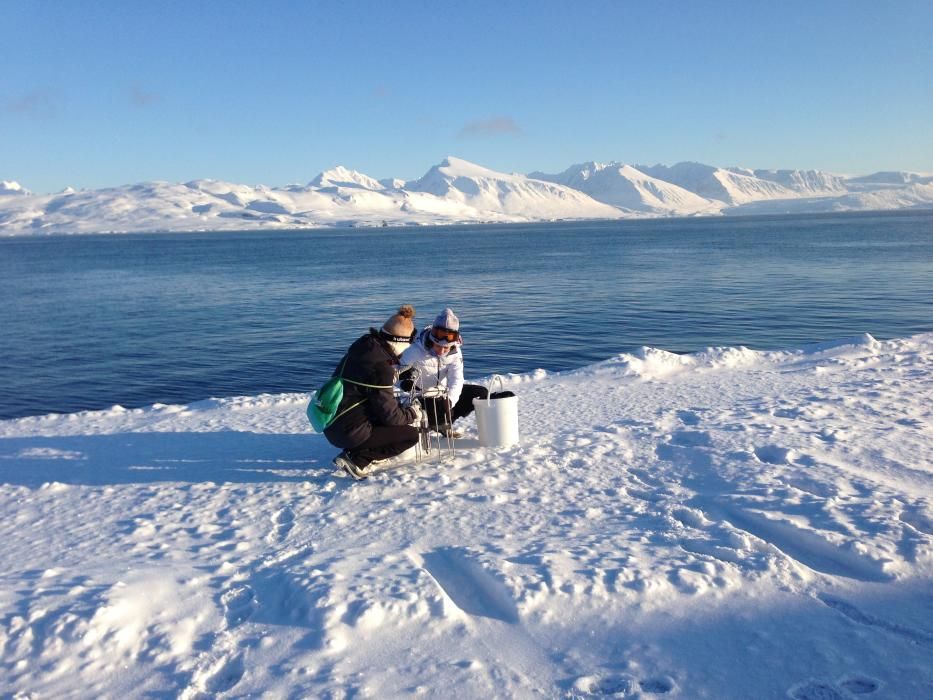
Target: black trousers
{"type": "Point", "coordinates": [439, 411]}
{"type": "Point", "coordinates": [386, 441]}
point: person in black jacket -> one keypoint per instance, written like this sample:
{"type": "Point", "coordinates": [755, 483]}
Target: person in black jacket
{"type": "Point", "coordinates": [371, 424]}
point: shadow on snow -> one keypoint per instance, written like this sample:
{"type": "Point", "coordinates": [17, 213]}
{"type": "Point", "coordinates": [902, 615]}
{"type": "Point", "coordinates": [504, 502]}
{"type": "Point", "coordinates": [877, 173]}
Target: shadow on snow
{"type": "Point", "coordinates": [127, 458]}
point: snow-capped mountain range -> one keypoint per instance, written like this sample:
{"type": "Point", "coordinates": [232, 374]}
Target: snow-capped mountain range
{"type": "Point", "coordinates": [457, 191]}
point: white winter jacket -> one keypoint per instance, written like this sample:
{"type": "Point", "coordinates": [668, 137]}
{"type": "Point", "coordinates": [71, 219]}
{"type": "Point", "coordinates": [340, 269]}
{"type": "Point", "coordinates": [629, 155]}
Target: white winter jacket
{"type": "Point", "coordinates": [443, 372]}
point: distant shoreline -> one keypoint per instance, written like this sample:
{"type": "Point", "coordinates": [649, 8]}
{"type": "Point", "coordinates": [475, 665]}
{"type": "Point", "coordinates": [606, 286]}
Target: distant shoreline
{"type": "Point", "coordinates": [457, 192]}
{"type": "Point", "coordinates": [360, 226]}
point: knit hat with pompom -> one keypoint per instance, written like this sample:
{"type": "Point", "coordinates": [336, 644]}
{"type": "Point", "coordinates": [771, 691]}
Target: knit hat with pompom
{"type": "Point", "coordinates": [401, 323]}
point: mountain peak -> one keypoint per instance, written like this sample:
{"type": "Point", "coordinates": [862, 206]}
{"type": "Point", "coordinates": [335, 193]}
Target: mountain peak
{"type": "Point", "coordinates": [12, 187]}
{"type": "Point", "coordinates": [340, 176]}
{"type": "Point", "coordinates": [457, 167]}
{"type": "Point", "coordinates": [495, 194]}
{"type": "Point", "coordinates": [627, 187]}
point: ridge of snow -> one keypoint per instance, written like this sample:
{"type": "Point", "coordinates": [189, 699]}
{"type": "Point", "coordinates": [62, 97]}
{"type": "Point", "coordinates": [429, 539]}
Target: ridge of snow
{"type": "Point", "coordinates": [729, 185]}
{"type": "Point", "coordinates": [737, 186]}
{"type": "Point", "coordinates": [510, 193]}
{"type": "Point", "coordinates": [625, 186]}
{"type": "Point", "coordinates": [893, 177]}
{"type": "Point", "coordinates": [805, 182]}
{"type": "Point", "coordinates": [918, 196]}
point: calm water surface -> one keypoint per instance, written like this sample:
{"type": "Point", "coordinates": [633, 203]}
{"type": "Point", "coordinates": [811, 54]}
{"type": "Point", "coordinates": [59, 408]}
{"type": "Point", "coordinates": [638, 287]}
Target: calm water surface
{"type": "Point", "coordinates": [91, 321]}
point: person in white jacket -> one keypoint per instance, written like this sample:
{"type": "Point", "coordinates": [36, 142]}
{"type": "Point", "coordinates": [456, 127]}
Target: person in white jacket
{"type": "Point", "coordinates": [437, 357]}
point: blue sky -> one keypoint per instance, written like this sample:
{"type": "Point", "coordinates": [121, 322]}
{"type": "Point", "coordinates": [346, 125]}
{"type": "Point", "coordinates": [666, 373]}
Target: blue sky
{"type": "Point", "coordinates": [95, 94]}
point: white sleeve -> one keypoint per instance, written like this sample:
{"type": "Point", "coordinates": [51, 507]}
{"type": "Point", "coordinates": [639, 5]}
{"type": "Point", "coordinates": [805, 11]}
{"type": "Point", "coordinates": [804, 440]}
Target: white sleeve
{"type": "Point", "coordinates": [417, 357]}
{"type": "Point", "coordinates": [409, 357]}
{"type": "Point", "coordinates": [455, 380]}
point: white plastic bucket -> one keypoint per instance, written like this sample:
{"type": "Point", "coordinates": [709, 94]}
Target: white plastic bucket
{"type": "Point", "coordinates": [497, 419]}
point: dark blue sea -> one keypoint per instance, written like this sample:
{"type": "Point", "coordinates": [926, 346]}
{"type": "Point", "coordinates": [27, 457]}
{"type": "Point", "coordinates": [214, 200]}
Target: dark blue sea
{"type": "Point", "coordinates": [87, 322]}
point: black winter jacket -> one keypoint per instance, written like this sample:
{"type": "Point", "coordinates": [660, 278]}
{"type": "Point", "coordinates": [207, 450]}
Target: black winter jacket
{"type": "Point", "coordinates": [370, 361]}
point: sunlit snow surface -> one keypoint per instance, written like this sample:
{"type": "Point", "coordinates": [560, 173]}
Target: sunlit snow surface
{"type": "Point", "coordinates": [729, 524]}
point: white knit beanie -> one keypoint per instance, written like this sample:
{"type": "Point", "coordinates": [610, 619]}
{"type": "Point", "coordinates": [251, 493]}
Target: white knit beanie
{"type": "Point", "coordinates": [447, 319]}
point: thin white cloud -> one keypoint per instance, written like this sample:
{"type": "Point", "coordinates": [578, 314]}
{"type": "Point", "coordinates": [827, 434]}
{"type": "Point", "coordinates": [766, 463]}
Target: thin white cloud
{"type": "Point", "coordinates": [495, 126]}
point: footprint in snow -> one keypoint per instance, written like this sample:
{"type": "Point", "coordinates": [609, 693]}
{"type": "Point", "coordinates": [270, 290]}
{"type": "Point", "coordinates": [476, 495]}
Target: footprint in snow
{"type": "Point", "coordinates": [691, 438]}
{"type": "Point", "coordinates": [774, 454]}
{"type": "Point", "coordinates": [225, 674]}
{"type": "Point", "coordinates": [791, 413]}
{"type": "Point", "coordinates": [622, 685]}
{"type": "Point", "coordinates": [816, 690]}
{"type": "Point", "coordinates": [688, 417]}
{"type": "Point", "coordinates": [238, 602]}
{"type": "Point", "coordinates": [686, 448]}
{"type": "Point", "coordinates": [658, 686]}
{"type": "Point", "coordinates": [618, 685]}
{"type": "Point", "coordinates": [860, 685]}
{"type": "Point", "coordinates": [690, 517]}
{"type": "Point", "coordinates": [918, 520]}
{"type": "Point", "coordinates": [283, 520]}
{"type": "Point", "coordinates": [468, 585]}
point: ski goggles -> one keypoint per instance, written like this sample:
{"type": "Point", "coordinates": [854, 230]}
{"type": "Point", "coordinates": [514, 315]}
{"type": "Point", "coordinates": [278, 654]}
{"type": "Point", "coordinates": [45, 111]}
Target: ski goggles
{"type": "Point", "coordinates": [445, 335]}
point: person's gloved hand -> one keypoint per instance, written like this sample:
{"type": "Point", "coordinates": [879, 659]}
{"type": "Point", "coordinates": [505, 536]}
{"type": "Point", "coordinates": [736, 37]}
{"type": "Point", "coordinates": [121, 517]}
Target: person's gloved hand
{"type": "Point", "coordinates": [415, 413]}
{"type": "Point", "coordinates": [408, 378]}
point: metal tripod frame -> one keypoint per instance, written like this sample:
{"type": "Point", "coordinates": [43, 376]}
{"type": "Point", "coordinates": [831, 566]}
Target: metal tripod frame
{"type": "Point", "coordinates": [431, 441]}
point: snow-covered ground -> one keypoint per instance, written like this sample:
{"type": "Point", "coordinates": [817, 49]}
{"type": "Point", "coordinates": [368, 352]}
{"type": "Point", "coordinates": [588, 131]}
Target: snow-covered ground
{"type": "Point", "coordinates": [728, 524]}
{"type": "Point", "coordinates": [455, 191]}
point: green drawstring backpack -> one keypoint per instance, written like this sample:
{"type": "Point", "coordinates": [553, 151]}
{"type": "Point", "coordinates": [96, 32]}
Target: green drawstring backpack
{"type": "Point", "coordinates": [322, 409]}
